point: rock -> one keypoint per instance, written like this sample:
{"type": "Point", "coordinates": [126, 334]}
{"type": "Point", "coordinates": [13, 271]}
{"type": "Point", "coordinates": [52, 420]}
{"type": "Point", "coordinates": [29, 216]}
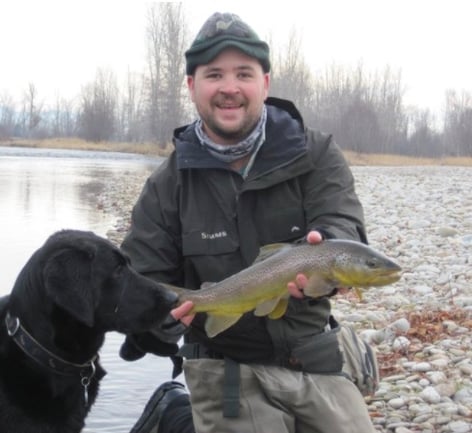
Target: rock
{"type": "Point", "coordinates": [446, 231]}
{"type": "Point", "coordinates": [430, 395]}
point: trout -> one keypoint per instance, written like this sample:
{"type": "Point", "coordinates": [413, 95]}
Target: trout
{"type": "Point", "coordinates": [262, 287]}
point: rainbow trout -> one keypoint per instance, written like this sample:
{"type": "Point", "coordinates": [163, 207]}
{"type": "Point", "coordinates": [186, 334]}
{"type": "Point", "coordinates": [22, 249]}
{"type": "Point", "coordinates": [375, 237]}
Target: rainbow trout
{"type": "Point", "coordinates": [262, 287]}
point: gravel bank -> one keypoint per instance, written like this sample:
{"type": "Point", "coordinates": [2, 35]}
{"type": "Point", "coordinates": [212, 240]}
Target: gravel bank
{"type": "Point", "coordinates": [420, 326]}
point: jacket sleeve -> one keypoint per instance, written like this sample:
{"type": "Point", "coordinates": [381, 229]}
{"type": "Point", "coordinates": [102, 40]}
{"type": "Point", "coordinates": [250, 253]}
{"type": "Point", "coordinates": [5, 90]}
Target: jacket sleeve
{"type": "Point", "coordinates": [331, 203]}
{"type": "Point", "coordinates": [152, 242]}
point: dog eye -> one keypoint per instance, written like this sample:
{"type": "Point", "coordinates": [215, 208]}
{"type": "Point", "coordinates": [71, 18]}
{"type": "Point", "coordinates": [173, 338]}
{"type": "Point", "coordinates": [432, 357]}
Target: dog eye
{"type": "Point", "coordinates": [118, 272]}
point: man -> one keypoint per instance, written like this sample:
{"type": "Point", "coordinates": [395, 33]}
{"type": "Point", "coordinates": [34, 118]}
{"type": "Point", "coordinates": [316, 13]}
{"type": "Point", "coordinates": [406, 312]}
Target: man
{"type": "Point", "coordinates": [245, 174]}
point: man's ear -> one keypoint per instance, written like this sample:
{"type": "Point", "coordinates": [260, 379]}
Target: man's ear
{"type": "Point", "coordinates": [191, 86]}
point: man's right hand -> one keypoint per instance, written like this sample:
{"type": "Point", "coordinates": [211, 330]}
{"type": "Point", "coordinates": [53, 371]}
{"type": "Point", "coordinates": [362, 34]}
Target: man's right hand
{"type": "Point", "coordinates": [182, 313]}
{"type": "Point", "coordinates": [162, 340]}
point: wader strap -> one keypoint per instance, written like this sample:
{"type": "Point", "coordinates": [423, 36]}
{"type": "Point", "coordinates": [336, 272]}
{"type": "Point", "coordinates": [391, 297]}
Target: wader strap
{"type": "Point", "coordinates": [190, 351]}
{"type": "Point", "coordinates": [231, 389]}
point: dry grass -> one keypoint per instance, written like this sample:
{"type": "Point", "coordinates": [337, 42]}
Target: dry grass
{"type": "Point", "coordinates": [153, 149]}
{"type": "Point", "coordinates": [79, 144]}
{"type": "Point", "coordinates": [401, 160]}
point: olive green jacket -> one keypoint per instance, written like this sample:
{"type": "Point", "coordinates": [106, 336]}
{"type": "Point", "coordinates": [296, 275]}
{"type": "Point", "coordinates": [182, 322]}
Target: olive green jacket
{"type": "Point", "coordinates": [198, 221]}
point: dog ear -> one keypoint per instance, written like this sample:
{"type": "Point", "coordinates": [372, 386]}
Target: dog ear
{"type": "Point", "coordinates": [69, 283]}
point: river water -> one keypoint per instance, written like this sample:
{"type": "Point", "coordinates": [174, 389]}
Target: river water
{"type": "Point", "coordinates": [42, 191]}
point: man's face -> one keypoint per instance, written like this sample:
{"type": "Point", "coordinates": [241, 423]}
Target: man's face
{"type": "Point", "coordinates": [229, 93]}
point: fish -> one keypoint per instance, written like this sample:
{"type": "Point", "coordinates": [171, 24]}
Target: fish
{"type": "Point", "coordinates": [262, 287]}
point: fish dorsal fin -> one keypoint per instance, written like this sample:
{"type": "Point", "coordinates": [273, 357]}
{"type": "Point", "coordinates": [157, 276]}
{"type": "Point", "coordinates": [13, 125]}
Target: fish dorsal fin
{"type": "Point", "coordinates": [207, 284]}
{"type": "Point", "coordinates": [280, 309]}
{"type": "Point", "coordinates": [318, 286]}
{"type": "Point", "coordinates": [269, 250]}
{"type": "Point", "coordinates": [215, 323]}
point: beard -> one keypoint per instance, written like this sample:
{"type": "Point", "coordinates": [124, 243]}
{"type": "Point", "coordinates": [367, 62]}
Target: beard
{"type": "Point", "coordinates": [236, 134]}
{"type": "Point", "coordinates": [229, 133]}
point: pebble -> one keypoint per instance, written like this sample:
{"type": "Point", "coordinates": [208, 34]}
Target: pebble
{"type": "Point", "coordinates": [421, 217]}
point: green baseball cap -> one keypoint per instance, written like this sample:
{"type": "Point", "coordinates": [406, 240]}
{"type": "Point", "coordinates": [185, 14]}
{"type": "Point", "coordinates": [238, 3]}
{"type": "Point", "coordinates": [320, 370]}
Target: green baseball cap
{"type": "Point", "coordinates": [224, 30]}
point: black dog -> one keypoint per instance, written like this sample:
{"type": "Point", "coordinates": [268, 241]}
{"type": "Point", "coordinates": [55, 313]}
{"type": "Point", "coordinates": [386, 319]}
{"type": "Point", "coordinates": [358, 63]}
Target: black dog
{"type": "Point", "coordinates": [73, 290]}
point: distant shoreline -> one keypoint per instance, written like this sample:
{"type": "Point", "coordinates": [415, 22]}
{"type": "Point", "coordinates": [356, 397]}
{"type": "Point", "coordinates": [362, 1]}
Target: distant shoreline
{"type": "Point", "coordinates": [154, 151]}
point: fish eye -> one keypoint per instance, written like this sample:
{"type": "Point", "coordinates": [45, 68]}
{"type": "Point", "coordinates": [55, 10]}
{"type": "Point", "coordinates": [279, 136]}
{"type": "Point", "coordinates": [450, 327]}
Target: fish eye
{"type": "Point", "coordinates": [372, 263]}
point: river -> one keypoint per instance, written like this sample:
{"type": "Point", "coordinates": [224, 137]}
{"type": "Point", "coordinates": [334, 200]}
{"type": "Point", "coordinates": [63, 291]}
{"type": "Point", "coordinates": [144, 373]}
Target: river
{"type": "Point", "coordinates": [42, 191]}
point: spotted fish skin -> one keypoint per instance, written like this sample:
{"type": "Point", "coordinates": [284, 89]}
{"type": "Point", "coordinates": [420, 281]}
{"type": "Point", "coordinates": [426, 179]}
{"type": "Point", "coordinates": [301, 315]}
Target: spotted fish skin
{"type": "Point", "coordinates": [262, 287]}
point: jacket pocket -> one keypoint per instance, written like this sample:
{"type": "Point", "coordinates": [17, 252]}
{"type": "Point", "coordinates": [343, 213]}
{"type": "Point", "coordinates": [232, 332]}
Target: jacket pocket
{"type": "Point", "coordinates": [320, 355]}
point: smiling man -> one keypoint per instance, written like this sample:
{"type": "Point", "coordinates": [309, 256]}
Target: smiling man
{"type": "Point", "coordinates": [229, 94]}
{"type": "Point", "coordinates": [245, 174]}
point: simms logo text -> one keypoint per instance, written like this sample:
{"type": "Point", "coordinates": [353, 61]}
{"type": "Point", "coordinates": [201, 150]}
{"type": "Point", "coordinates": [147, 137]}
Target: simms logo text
{"type": "Point", "coordinates": [216, 235]}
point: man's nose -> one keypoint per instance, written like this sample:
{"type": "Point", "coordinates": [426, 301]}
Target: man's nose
{"type": "Point", "coordinates": [230, 85]}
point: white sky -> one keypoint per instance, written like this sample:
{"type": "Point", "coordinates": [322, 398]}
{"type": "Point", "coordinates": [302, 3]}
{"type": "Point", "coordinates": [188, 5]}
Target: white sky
{"type": "Point", "coordinates": [59, 45]}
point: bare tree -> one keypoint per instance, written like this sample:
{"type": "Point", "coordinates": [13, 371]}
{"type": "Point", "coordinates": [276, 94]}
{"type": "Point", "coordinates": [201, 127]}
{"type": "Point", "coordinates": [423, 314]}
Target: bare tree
{"type": "Point", "coordinates": [291, 77]}
{"type": "Point", "coordinates": [97, 113]}
{"type": "Point", "coordinates": [7, 116]}
{"type": "Point", "coordinates": [458, 123]}
{"type": "Point", "coordinates": [32, 108]}
{"type": "Point", "coordinates": [167, 39]}
{"type": "Point", "coordinates": [153, 80]}
{"type": "Point", "coordinates": [63, 122]}
{"type": "Point", "coordinates": [389, 103]}
{"type": "Point", "coordinates": [423, 139]}
{"type": "Point", "coordinates": [131, 110]}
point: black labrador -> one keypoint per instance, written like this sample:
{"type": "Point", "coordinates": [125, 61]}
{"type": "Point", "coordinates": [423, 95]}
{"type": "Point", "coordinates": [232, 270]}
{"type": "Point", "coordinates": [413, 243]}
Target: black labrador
{"type": "Point", "coordinates": [73, 290]}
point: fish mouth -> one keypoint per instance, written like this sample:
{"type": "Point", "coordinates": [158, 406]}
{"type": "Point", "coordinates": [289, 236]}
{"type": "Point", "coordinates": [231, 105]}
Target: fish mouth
{"type": "Point", "coordinates": [387, 278]}
{"type": "Point", "coordinates": [380, 277]}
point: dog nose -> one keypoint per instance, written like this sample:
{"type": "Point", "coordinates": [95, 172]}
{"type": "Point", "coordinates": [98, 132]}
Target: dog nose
{"type": "Point", "coordinates": [171, 298]}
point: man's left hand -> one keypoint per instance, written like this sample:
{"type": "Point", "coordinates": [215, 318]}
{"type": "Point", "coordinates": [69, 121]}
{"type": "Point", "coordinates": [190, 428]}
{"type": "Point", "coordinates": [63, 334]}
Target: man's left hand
{"type": "Point", "coordinates": [295, 288]}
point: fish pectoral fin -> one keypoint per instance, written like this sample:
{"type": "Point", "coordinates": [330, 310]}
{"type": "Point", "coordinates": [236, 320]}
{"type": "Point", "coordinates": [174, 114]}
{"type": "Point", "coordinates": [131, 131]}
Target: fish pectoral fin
{"type": "Point", "coordinates": [266, 307]}
{"type": "Point", "coordinates": [280, 309]}
{"type": "Point", "coordinates": [358, 292]}
{"type": "Point", "coordinates": [274, 308]}
{"type": "Point", "coordinates": [215, 324]}
{"type": "Point", "coordinates": [318, 286]}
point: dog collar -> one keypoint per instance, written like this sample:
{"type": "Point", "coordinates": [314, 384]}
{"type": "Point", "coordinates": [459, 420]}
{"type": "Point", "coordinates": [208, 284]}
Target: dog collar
{"type": "Point", "coordinates": [44, 357]}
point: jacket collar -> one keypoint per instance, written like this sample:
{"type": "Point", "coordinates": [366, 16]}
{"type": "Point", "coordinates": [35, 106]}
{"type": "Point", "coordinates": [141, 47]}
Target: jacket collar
{"type": "Point", "coordinates": [285, 141]}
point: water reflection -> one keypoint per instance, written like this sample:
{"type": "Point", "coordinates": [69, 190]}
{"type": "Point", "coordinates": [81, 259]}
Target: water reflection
{"type": "Point", "coordinates": [41, 194]}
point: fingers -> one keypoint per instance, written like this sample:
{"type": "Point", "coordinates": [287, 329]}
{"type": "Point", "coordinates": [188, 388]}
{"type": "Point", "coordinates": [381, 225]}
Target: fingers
{"type": "Point", "coordinates": [295, 288]}
{"type": "Point", "coordinates": [182, 313]}
{"type": "Point", "coordinates": [314, 237]}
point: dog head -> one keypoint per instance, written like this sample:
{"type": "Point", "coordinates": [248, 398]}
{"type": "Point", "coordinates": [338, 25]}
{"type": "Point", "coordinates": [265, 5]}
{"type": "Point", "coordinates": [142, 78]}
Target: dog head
{"type": "Point", "coordinates": [93, 281]}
